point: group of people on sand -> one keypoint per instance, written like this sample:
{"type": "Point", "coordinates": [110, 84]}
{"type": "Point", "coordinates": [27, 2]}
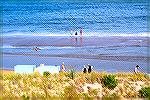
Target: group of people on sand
{"type": "Point", "coordinates": [88, 68]}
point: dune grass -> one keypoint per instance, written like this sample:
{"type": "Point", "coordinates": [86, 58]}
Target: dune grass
{"type": "Point", "coordinates": [69, 85]}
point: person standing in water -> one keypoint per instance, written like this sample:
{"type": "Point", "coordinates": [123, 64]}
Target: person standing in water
{"type": "Point", "coordinates": [76, 33]}
{"type": "Point", "coordinates": [76, 39]}
{"type": "Point", "coordinates": [81, 41]}
{"type": "Point", "coordinates": [80, 32]}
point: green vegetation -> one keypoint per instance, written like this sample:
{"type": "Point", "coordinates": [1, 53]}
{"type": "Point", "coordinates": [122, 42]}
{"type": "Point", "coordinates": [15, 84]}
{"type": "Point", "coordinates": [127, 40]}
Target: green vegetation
{"type": "Point", "coordinates": [109, 81]}
{"type": "Point", "coordinates": [146, 76]}
{"type": "Point", "coordinates": [25, 97]}
{"type": "Point", "coordinates": [46, 74]}
{"type": "Point", "coordinates": [1, 76]}
{"type": "Point", "coordinates": [145, 92]}
{"type": "Point", "coordinates": [72, 74]}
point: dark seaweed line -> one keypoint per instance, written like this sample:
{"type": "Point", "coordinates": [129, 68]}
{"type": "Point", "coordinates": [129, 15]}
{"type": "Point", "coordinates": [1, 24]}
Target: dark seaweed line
{"type": "Point", "coordinates": [98, 57]}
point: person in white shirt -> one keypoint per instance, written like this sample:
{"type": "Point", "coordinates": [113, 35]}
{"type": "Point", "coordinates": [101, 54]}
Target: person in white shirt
{"type": "Point", "coordinates": [84, 69]}
{"type": "Point", "coordinates": [136, 69]}
{"type": "Point", "coordinates": [63, 67]}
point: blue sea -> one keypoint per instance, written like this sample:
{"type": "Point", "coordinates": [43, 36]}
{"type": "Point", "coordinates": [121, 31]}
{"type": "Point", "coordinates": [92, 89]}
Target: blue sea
{"type": "Point", "coordinates": [115, 35]}
{"type": "Point", "coordinates": [62, 18]}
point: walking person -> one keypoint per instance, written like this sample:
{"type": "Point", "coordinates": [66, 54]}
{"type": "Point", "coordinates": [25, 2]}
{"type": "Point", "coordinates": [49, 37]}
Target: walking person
{"type": "Point", "coordinates": [89, 68]}
{"type": "Point", "coordinates": [136, 69]}
{"type": "Point", "coordinates": [84, 69]}
{"type": "Point", "coordinates": [63, 67]}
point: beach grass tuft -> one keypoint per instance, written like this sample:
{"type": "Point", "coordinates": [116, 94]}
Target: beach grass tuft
{"type": "Point", "coordinates": [109, 81]}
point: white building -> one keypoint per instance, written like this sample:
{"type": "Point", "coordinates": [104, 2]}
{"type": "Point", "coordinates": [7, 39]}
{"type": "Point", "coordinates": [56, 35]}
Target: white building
{"type": "Point", "coordinates": [52, 69]}
{"type": "Point", "coordinates": [26, 69]}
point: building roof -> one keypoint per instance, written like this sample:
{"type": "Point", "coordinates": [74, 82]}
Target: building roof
{"type": "Point", "coordinates": [24, 68]}
{"type": "Point", "coordinates": [51, 69]}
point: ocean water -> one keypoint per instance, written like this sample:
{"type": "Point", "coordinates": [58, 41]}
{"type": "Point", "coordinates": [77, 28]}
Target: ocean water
{"type": "Point", "coordinates": [58, 18]}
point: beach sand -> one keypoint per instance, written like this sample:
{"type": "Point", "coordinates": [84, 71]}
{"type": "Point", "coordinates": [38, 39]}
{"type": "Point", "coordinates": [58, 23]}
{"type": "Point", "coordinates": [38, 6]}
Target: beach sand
{"type": "Point", "coordinates": [6, 71]}
{"type": "Point", "coordinates": [9, 61]}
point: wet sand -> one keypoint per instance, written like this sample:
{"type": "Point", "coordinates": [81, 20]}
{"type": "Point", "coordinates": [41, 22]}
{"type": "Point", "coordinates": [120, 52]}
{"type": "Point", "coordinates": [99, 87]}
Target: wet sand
{"type": "Point", "coordinates": [98, 57]}
{"type": "Point", "coordinates": [9, 61]}
{"type": "Point", "coordinates": [76, 41]}
{"type": "Point", "coordinates": [111, 63]}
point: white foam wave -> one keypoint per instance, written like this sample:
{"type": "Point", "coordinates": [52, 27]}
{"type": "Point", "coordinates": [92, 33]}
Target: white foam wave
{"type": "Point", "coordinates": [14, 47]}
{"type": "Point", "coordinates": [89, 34]}
{"type": "Point", "coordinates": [134, 35]}
{"type": "Point", "coordinates": [53, 47]}
{"type": "Point", "coordinates": [7, 46]}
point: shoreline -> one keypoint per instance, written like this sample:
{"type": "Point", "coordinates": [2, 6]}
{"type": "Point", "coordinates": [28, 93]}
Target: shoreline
{"type": "Point", "coordinates": [75, 41]}
{"type": "Point", "coordinates": [82, 56]}
{"type": "Point", "coordinates": [141, 34]}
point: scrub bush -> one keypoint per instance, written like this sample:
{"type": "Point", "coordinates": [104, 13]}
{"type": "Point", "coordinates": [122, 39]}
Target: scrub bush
{"type": "Point", "coordinates": [145, 92]}
{"type": "Point", "coordinates": [46, 74]}
{"type": "Point", "coordinates": [109, 81]}
{"type": "Point", "coordinates": [71, 74]}
{"type": "Point", "coordinates": [25, 97]}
